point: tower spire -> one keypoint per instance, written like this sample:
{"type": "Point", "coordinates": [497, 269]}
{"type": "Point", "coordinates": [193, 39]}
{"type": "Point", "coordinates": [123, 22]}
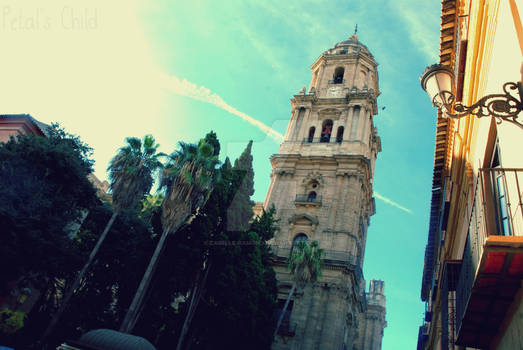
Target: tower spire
{"type": "Point", "coordinates": [355, 35]}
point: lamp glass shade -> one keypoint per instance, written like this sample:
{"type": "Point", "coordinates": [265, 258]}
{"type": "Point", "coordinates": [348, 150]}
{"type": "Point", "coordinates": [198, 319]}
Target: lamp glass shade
{"type": "Point", "coordinates": [437, 82]}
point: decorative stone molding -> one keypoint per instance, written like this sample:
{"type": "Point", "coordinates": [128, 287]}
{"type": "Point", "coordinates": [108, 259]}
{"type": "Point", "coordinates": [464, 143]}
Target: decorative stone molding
{"type": "Point", "coordinates": [350, 173]}
{"type": "Point", "coordinates": [329, 113]}
{"type": "Point", "coordinates": [313, 176]}
{"type": "Point", "coordinates": [286, 171]}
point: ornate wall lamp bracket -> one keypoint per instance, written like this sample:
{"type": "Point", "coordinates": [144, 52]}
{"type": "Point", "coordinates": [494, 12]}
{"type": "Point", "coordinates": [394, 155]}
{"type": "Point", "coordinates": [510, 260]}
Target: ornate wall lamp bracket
{"type": "Point", "coordinates": [437, 82]}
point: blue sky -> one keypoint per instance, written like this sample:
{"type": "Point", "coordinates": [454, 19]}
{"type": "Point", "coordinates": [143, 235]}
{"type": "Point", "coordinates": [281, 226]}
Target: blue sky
{"type": "Point", "coordinates": [177, 69]}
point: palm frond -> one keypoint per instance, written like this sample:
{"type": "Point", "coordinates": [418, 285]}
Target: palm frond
{"type": "Point", "coordinates": [306, 262]}
{"type": "Point", "coordinates": [134, 142]}
{"type": "Point", "coordinates": [188, 176]}
{"type": "Point", "coordinates": [131, 171]}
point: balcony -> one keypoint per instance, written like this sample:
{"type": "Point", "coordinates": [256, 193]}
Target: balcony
{"type": "Point", "coordinates": [492, 265]}
{"type": "Point", "coordinates": [306, 199]}
{"type": "Point", "coordinates": [331, 258]}
{"type": "Point", "coordinates": [423, 336]}
{"type": "Point", "coordinates": [323, 139]}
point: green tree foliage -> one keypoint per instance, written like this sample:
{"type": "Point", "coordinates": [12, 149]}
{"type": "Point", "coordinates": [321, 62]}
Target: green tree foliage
{"type": "Point", "coordinates": [212, 140]}
{"type": "Point", "coordinates": [240, 211]}
{"type": "Point", "coordinates": [109, 285]}
{"type": "Point", "coordinates": [238, 296]}
{"type": "Point", "coordinates": [188, 180]}
{"type": "Point", "coordinates": [240, 300]}
{"type": "Point", "coordinates": [151, 206]}
{"type": "Point", "coordinates": [43, 189]}
{"type": "Point", "coordinates": [11, 321]}
{"type": "Point", "coordinates": [131, 173]}
{"type": "Point", "coordinates": [106, 289]}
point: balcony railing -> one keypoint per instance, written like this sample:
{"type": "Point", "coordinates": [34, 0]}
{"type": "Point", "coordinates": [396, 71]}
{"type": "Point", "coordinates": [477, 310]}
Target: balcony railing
{"type": "Point", "coordinates": [305, 198]}
{"type": "Point", "coordinates": [330, 257]}
{"type": "Point", "coordinates": [489, 275]}
{"type": "Point", "coordinates": [337, 81]}
{"type": "Point", "coordinates": [322, 139]}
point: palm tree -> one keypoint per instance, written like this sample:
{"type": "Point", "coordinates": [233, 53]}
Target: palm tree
{"type": "Point", "coordinates": [131, 174]}
{"type": "Point", "coordinates": [187, 179]}
{"type": "Point", "coordinates": [305, 264]}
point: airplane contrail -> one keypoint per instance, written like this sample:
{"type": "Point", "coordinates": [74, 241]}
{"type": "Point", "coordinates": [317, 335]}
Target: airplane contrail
{"type": "Point", "coordinates": [184, 87]}
{"type": "Point", "coordinates": [391, 202]}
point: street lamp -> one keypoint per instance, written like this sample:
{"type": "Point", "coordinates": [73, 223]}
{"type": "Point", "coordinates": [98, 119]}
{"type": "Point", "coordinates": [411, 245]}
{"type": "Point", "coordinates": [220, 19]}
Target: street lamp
{"type": "Point", "coordinates": [437, 81]}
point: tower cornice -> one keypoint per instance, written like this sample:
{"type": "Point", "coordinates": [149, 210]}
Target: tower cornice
{"type": "Point", "coordinates": [352, 97]}
{"type": "Point", "coordinates": [348, 57]}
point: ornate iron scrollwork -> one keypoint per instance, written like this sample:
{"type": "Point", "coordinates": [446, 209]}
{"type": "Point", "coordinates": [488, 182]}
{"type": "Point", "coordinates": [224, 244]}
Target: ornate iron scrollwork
{"type": "Point", "coordinates": [503, 107]}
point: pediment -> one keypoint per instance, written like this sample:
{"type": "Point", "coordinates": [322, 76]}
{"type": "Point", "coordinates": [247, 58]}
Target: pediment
{"type": "Point", "coordinates": [330, 112]}
{"type": "Point", "coordinates": [303, 219]}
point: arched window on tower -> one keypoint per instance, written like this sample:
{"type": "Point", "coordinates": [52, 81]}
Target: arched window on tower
{"type": "Point", "coordinates": [300, 237]}
{"type": "Point", "coordinates": [312, 130]}
{"type": "Point", "coordinates": [339, 135]}
{"type": "Point", "coordinates": [338, 75]}
{"type": "Point", "coordinates": [326, 131]}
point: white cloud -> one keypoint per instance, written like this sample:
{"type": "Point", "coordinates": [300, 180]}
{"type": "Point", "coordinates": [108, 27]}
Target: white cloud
{"type": "Point", "coordinates": [391, 202]}
{"type": "Point", "coordinates": [201, 93]}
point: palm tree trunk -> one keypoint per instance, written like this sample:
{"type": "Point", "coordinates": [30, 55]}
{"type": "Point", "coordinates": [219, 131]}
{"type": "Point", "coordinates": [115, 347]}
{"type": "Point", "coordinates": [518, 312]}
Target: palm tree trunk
{"type": "Point", "coordinates": [132, 314]}
{"type": "Point", "coordinates": [78, 279]}
{"type": "Point", "coordinates": [195, 299]}
{"type": "Point", "coordinates": [284, 309]}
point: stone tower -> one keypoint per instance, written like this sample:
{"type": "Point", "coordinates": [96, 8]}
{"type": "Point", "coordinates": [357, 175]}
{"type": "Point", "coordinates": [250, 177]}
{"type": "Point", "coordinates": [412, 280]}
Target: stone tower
{"type": "Point", "coordinates": [321, 186]}
{"type": "Point", "coordinates": [372, 322]}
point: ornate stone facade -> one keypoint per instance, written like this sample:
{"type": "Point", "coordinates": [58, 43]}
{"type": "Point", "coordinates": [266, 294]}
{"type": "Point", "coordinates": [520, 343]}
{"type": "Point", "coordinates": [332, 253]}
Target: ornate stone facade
{"type": "Point", "coordinates": [321, 186]}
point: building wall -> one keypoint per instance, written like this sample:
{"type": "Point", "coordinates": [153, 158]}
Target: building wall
{"type": "Point", "coordinates": [513, 336]}
{"type": "Point", "coordinates": [12, 125]}
{"type": "Point", "coordinates": [466, 214]}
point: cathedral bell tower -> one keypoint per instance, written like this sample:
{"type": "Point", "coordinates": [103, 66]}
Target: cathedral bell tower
{"type": "Point", "coordinates": [321, 187]}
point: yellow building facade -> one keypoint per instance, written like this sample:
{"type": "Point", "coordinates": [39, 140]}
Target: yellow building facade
{"type": "Point", "coordinates": [473, 269]}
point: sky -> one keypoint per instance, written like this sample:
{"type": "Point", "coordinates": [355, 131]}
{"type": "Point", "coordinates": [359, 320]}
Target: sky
{"type": "Point", "coordinates": [106, 70]}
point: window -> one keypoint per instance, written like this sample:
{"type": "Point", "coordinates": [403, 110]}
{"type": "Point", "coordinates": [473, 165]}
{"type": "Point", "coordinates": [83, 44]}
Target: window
{"type": "Point", "coordinates": [500, 195]}
{"type": "Point", "coordinates": [312, 130]}
{"type": "Point", "coordinates": [339, 135]}
{"type": "Point", "coordinates": [300, 237]}
{"type": "Point", "coordinates": [338, 75]}
{"type": "Point", "coordinates": [311, 197]}
{"type": "Point", "coordinates": [326, 131]}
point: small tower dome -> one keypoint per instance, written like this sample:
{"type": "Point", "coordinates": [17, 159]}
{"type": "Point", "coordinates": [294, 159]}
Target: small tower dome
{"type": "Point", "coordinates": [351, 44]}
